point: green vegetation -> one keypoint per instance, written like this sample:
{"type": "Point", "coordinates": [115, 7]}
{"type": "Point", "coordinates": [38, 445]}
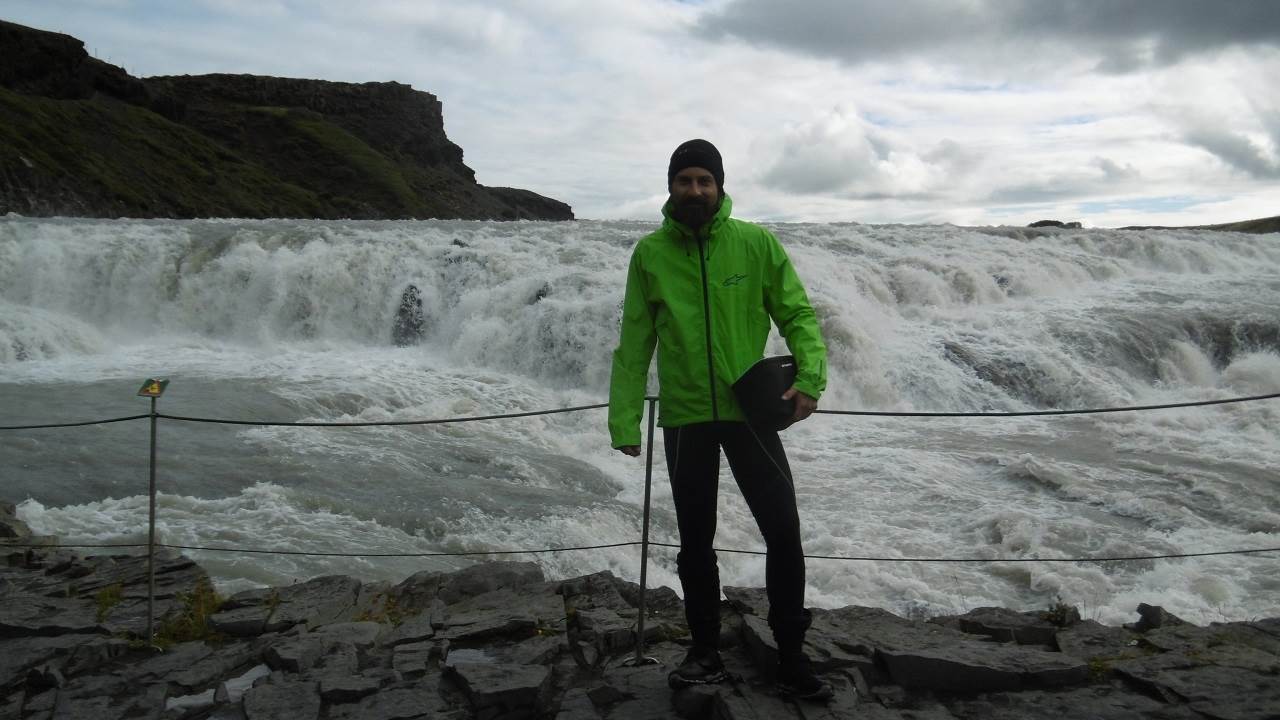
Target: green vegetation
{"type": "Point", "coordinates": [1257, 226]}
{"type": "Point", "coordinates": [1100, 668]}
{"type": "Point", "coordinates": [375, 175]}
{"type": "Point", "coordinates": [190, 621]}
{"type": "Point", "coordinates": [385, 608]}
{"type": "Point", "coordinates": [107, 598]}
{"type": "Point", "coordinates": [1061, 614]}
{"type": "Point", "coordinates": [1260, 225]}
{"type": "Point", "coordinates": [119, 156]}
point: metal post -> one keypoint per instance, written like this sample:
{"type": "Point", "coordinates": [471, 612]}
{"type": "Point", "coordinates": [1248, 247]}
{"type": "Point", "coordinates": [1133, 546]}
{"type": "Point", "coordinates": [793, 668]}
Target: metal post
{"type": "Point", "coordinates": [151, 533]}
{"type": "Point", "coordinates": [640, 659]}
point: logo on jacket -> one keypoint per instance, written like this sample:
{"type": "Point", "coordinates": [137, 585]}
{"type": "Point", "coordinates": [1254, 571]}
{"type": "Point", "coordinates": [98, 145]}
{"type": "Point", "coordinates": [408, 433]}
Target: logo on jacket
{"type": "Point", "coordinates": [734, 280]}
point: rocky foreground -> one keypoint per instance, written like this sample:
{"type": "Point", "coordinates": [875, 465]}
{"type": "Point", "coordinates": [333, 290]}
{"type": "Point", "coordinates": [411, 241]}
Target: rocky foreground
{"type": "Point", "coordinates": [499, 640]}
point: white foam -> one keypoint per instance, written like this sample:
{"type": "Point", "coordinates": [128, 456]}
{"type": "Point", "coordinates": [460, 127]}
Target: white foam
{"type": "Point", "coordinates": [292, 320]}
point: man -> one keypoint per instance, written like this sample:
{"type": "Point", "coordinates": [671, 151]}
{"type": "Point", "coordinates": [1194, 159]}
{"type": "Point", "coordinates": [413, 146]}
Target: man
{"type": "Point", "coordinates": [703, 289]}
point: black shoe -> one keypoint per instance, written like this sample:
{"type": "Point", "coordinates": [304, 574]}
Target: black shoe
{"type": "Point", "coordinates": [702, 666]}
{"type": "Point", "coordinates": [796, 680]}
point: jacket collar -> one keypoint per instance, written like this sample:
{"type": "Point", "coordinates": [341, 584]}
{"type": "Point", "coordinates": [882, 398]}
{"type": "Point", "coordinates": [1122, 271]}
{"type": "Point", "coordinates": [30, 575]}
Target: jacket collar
{"type": "Point", "coordinates": [684, 231]}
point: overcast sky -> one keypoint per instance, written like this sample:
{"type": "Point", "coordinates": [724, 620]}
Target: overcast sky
{"type": "Point", "coordinates": [974, 112]}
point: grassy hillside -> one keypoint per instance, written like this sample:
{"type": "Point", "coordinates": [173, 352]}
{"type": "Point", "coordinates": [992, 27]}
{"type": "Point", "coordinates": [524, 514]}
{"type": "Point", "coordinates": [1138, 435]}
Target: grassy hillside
{"type": "Point", "coordinates": [62, 156]}
{"type": "Point", "coordinates": [1259, 226]}
{"type": "Point", "coordinates": [351, 177]}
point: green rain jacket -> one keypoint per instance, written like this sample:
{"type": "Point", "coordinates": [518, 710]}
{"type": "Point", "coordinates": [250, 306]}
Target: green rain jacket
{"type": "Point", "coordinates": [706, 300]}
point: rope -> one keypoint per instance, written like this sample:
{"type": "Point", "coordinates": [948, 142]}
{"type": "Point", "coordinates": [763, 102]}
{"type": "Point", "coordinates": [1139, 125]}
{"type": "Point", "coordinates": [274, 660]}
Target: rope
{"type": "Point", "coordinates": [1086, 411]}
{"type": "Point", "coordinates": [7, 544]}
{"type": "Point", "coordinates": [438, 421]}
{"type": "Point", "coordinates": [259, 551]}
{"type": "Point", "coordinates": [556, 411]}
{"type": "Point", "coordinates": [73, 424]}
{"type": "Point", "coordinates": [1127, 558]}
{"type": "Point", "coordinates": [373, 554]}
{"type": "Point", "coordinates": [632, 543]}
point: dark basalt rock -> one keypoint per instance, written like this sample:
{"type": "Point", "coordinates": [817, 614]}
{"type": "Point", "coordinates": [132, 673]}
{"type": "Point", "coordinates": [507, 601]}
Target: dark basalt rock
{"type": "Point", "coordinates": [410, 319]}
{"type": "Point", "coordinates": [1008, 626]}
{"type": "Point", "coordinates": [493, 641]}
{"type": "Point", "coordinates": [54, 65]}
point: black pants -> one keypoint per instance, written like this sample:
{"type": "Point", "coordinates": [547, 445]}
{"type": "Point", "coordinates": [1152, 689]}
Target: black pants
{"type": "Point", "coordinates": [759, 465]}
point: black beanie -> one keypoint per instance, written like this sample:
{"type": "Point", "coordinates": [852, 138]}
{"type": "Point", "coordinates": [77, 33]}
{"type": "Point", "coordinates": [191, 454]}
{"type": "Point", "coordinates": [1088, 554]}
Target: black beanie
{"type": "Point", "coordinates": [697, 153]}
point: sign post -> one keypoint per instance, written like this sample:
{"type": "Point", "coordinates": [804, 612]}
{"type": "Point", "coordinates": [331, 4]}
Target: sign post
{"type": "Point", "coordinates": [152, 388]}
{"type": "Point", "coordinates": [640, 658]}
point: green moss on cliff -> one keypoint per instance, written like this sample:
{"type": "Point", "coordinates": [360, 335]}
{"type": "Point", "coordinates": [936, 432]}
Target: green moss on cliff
{"type": "Point", "coordinates": [104, 153]}
{"type": "Point", "coordinates": [1258, 226]}
{"type": "Point", "coordinates": [381, 176]}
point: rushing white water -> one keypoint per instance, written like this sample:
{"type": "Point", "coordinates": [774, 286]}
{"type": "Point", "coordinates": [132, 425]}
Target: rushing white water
{"type": "Point", "coordinates": [286, 320]}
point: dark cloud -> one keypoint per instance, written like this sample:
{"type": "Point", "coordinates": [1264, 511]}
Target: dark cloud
{"type": "Point", "coordinates": [1115, 172]}
{"type": "Point", "coordinates": [806, 168]}
{"type": "Point", "coordinates": [843, 155]}
{"type": "Point", "coordinates": [1041, 191]}
{"type": "Point", "coordinates": [956, 158]}
{"type": "Point", "coordinates": [829, 155]}
{"type": "Point", "coordinates": [1099, 176]}
{"type": "Point", "coordinates": [1117, 35]}
{"type": "Point", "coordinates": [1236, 150]}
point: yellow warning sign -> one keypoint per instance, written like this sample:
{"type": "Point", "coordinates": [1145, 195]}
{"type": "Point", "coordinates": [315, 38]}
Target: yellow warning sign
{"type": "Point", "coordinates": [153, 387]}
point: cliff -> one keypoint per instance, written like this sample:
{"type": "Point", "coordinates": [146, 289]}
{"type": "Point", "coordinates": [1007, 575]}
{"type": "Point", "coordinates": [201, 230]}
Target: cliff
{"type": "Point", "coordinates": [82, 137]}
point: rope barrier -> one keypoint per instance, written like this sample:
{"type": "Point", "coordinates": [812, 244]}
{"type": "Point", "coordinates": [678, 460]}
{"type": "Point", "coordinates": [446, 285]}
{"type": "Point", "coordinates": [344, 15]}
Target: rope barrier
{"type": "Point", "coordinates": [578, 408]}
{"type": "Point", "coordinates": [383, 423]}
{"type": "Point", "coordinates": [997, 560]}
{"type": "Point", "coordinates": [74, 424]}
{"type": "Point", "coordinates": [863, 558]}
{"type": "Point", "coordinates": [372, 554]}
{"type": "Point", "coordinates": [7, 544]}
{"type": "Point", "coordinates": [154, 416]}
{"type": "Point", "coordinates": [1026, 413]}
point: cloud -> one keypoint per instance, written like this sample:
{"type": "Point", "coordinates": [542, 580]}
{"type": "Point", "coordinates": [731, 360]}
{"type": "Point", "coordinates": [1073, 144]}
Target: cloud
{"type": "Point", "coordinates": [1237, 150]}
{"type": "Point", "coordinates": [841, 153]}
{"type": "Point", "coordinates": [1113, 35]}
{"type": "Point", "coordinates": [1115, 172]}
{"type": "Point", "coordinates": [825, 156]}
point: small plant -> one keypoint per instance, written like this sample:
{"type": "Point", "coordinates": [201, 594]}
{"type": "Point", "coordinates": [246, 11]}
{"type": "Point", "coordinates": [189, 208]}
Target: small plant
{"type": "Point", "coordinates": [107, 598]}
{"type": "Point", "coordinates": [1060, 614]}
{"type": "Point", "coordinates": [1099, 668]}
{"type": "Point", "coordinates": [385, 609]}
{"type": "Point", "coordinates": [190, 621]}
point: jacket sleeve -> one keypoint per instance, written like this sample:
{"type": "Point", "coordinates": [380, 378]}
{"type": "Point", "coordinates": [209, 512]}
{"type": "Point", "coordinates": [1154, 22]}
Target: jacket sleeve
{"type": "Point", "coordinates": [788, 305]}
{"type": "Point", "coordinates": [630, 373]}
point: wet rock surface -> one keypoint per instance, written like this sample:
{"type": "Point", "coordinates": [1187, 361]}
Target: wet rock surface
{"type": "Point", "coordinates": [498, 640]}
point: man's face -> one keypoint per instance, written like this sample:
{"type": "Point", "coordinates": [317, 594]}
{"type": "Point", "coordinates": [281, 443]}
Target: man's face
{"type": "Point", "coordinates": [694, 196]}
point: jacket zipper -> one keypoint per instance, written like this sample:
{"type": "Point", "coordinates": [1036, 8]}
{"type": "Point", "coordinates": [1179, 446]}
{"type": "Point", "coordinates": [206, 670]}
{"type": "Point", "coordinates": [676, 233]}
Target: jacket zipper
{"type": "Point", "coordinates": [706, 314]}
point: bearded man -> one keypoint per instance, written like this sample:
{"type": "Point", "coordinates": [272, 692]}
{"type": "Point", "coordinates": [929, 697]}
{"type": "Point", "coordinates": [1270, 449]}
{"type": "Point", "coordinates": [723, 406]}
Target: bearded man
{"type": "Point", "coordinates": [703, 289]}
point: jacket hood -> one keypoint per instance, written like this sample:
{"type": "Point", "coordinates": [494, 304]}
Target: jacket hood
{"type": "Point", "coordinates": [722, 214]}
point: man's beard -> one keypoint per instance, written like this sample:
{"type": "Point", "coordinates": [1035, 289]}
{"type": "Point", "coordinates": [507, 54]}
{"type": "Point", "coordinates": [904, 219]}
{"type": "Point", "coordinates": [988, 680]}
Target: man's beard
{"type": "Point", "coordinates": [695, 212]}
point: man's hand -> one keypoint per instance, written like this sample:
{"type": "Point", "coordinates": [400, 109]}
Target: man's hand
{"type": "Point", "coordinates": [805, 405]}
{"type": "Point", "coordinates": [632, 450]}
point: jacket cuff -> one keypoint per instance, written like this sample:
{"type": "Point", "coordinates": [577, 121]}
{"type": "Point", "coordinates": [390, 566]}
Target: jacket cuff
{"type": "Point", "coordinates": [807, 389]}
{"type": "Point", "coordinates": [624, 439]}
